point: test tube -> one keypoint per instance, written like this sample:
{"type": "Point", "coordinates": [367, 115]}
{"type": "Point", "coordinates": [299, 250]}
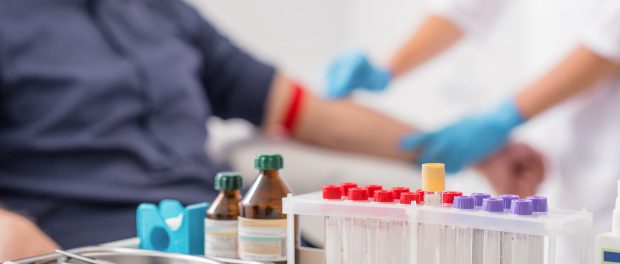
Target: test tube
{"type": "Point", "coordinates": [433, 184]}
{"type": "Point", "coordinates": [463, 235]}
{"type": "Point", "coordinates": [507, 237]}
{"type": "Point", "coordinates": [521, 243]}
{"type": "Point", "coordinates": [372, 225]}
{"type": "Point", "coordinates": [406, 199]}
{"type": "Point", "coordinates": [357, 231]}
{"type": "Point", "coordinates": [420, 246]}
{"type": "Point", "coordinates": [333, 232]}
{"type": "Point", "coordinates": [372, 188]}
{"type": "Point", "coordinates": [383, 251]}
{"type": "Point", "coordinates": [448, 249]}
{"type": "Point", "coordinates": [346, 224]}
{"type": "Point", "coordinates": [492, 239]}
{"type": "Point", "coordinates": [478, 233]}
{"type": "Point", "coordinates": [537, 243]}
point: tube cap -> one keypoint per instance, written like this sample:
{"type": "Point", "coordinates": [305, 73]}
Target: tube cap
{"type": "Point", "coordinates": [384, 196]}
{"type": "Point", "coordinates": [508, 199]}
{"type": "Point", "coordinates": [358, 194]}
{"type": "Point", "coordinates": [332, 192]}
{"type": "Point", "coordinates": [539, 204]}
{"type": "Point", "coordinates": [448, 197]}
{"type": "Point", "coordinates": [521, 207]}
{"type": "Point", "coordinates": [372, 188]}
{"type": "Point", "coordinates": [346, 186]}
{"type": "Point", "coordinates": [409, 197]}
{"type": "Point", "coordinates": [493, 205]}
{"type": "Point", "coordinates": [421, 193]}
{"type": "Point", "coordinates": [268, 162]}
{"type": "Point", "coordinates": [398, 191]}
{"type": "Point", "coordinates": [478, 197]}
{"type": "Point", "coordinates": [230, 180]}
{"type": "Point", "coordinates": [464, 202]}
{"type": "Point", "coordinates": [433, 177]}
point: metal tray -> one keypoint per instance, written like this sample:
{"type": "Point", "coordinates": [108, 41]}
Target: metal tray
{"type": "Point", "coordinates": [127, 255]}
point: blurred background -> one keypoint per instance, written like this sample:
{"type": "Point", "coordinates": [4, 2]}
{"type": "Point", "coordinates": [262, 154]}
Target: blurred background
{"type": "Point", "coordinates": [302, 36]}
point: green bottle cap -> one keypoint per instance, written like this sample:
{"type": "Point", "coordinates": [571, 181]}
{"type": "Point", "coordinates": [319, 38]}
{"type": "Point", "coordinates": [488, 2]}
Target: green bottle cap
{"type": "Point", "coordinates": [268, 162]}
{"type": "Point", "coordinates": [230, 180]}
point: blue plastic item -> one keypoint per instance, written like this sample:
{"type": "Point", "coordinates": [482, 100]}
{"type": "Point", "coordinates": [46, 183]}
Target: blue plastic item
{"type": "Point", "coordinates": [172, 227]}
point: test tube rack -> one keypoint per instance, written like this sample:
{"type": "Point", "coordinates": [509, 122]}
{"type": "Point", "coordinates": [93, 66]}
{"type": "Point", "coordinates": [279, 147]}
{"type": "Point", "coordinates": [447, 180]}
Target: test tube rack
{"type": "Point", "coordinates": [554, 225]}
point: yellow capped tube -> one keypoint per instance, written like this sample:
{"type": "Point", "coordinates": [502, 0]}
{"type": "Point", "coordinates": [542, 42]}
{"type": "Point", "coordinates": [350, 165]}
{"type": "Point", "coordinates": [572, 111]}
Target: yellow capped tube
{"type": "Point", "coordinates": [433, 177]}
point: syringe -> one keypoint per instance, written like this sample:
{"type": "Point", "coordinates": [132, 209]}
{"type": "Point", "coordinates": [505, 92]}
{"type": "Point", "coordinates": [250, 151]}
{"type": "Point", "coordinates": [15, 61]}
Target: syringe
{"type": "Point", "coordinates": [478, 233]}
{"type": "Point", "coordinates": [492, 239]}
{"type": "Point", "coordinates": [537, 243]}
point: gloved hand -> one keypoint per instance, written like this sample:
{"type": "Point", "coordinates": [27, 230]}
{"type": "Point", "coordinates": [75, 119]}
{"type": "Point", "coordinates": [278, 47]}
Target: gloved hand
{"type": "Point", "coordinates": [467, 141]}
{"type": "Point", "coordinates": [353, 70]}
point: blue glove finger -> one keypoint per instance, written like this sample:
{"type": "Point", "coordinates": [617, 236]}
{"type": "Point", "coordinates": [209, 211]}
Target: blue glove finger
{"type": "Point", "coordinates": [414, 141]}
{"type": "Point", "coordinates": [343, 73]}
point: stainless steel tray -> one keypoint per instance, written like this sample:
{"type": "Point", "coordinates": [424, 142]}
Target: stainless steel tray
{"type": "Point", "coordinates": [127, 255]}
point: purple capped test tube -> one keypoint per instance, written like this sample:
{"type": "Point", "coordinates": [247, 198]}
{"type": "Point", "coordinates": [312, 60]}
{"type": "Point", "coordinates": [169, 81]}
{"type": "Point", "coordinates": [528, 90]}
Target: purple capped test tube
{"type": "Point", "coordinates": [478, 198]}
{"type": "Point", "coordinates": [508, 198]}
{"type": "Point", "coordinates": [521, 242]}
{"type": "Point", "coordinates": [459, 240]}
{"type": "Point", "coordinates": [492, 240]}
{"type": "Point", "coordinates": [539, 204]}
{"type": "Point", "coordinates": [537, 243]}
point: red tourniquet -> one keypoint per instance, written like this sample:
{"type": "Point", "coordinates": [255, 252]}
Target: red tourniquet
{"type": "Point", "coordinates": [292, 114]}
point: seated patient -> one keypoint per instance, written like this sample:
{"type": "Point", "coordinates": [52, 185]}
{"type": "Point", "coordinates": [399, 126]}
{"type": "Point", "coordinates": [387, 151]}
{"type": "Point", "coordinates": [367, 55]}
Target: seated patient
{"type": "Point", "coordinates": [103, 106]}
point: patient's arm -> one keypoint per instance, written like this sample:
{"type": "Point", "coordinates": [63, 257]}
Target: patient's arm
{"type": "Point", "coordinates": [337, 124]}
{"type": "Point", "coordinates": [20, 238]}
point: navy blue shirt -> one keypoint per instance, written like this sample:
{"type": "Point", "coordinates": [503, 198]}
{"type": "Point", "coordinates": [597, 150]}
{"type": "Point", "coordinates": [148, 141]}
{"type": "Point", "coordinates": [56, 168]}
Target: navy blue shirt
{"type": "Point", "coordinates": [103, 105]}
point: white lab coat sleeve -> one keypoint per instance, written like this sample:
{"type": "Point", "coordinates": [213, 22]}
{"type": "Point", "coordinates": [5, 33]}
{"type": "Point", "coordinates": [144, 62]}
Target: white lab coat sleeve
{"type": "Point", "coordinates": [472, 16]}
{"type": "Point", "coordinates": [602, 31]}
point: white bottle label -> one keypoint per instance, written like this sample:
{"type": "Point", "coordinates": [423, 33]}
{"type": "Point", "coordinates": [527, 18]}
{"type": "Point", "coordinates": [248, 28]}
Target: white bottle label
{"type": "Point", "coordinates": [221, 238]}
{"type": "Point", "coordinates": [262, 240]}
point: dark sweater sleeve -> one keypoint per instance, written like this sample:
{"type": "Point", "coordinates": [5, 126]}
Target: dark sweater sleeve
{"type": "Point", "coordinates": [237, 85]}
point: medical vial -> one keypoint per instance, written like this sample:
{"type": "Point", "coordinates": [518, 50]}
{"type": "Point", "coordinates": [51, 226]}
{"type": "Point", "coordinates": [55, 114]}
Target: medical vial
{"type": "Point", "coordinates": [449, 232]}
{"type": "Point", "coordinates": [221, 221]}
{"type": "Point", "coordinates": [433, 184]}
{"type": "Point", "coordinates": [537, 243]}
{"type": "Point", "coordinates": [463, 236]}
{"type": "Point", "coordinates": [478, 233]}
{"type": "Point", "coordinates": [521, 242]}
{"type": "Point", "coordinates": [333, 227]}
{"type": "Point", "coordinates": [355, 248]}
{"type": "Point", "coordinates": [507, 237]}
{"type": "Point", "coordinates": [492, 239]}
{"type": "Point", "coordinates": [262, 225]}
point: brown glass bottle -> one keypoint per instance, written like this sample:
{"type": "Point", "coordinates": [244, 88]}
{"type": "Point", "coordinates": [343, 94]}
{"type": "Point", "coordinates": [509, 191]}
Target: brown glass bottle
{"type": "Point", "coordinates": [262, 207]}
{"type": "Point", "coordinates": [221, 223]}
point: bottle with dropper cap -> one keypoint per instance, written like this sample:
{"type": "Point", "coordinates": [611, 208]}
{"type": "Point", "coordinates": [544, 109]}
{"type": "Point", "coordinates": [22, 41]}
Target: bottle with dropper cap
{"type": "Point", "coordinates": [608, 244]}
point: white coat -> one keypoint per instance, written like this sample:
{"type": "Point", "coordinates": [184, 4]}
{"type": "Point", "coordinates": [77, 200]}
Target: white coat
{"type": "Point", "coordinates": [584, 140]}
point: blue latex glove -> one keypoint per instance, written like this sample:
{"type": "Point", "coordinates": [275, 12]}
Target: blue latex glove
{"type": "Point", "coordinates": [353, 70]}
{"type": "Point", "coordinates": [468, 140]}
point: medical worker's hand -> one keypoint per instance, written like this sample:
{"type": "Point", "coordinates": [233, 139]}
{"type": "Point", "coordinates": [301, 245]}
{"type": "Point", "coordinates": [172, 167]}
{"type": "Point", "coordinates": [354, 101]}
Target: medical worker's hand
{"type": "Point", "coordinates": [354, 71]}
{"type": "Point", "coordinates": [468, 140]}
